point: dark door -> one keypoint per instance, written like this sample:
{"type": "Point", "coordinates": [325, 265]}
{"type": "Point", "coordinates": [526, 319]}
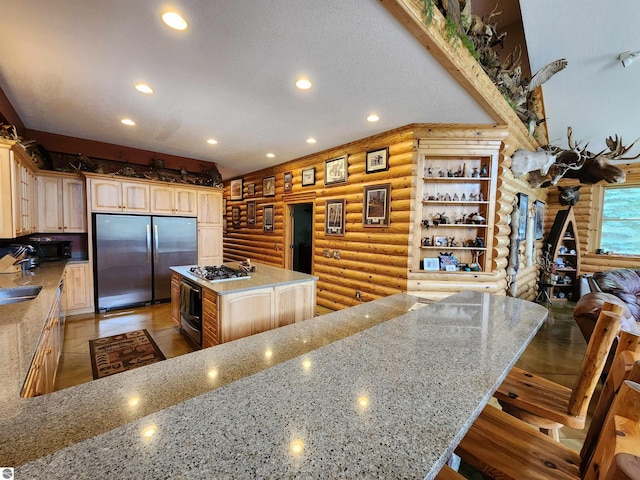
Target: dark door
{"type": "Point", "coordinates": [302, 237]}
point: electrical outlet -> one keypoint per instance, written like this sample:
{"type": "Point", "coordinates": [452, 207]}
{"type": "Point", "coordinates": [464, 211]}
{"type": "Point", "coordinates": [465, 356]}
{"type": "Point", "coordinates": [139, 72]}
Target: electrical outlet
{"type": "Point", "coordinates": [326, 253]}
{"type": "Point", "coordinates": [358, 295]}
{"type": "Point", "coordinates": [336, 254]}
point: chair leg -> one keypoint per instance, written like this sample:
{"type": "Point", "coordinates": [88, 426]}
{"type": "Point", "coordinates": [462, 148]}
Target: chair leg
{"type": "Point", "coordinates": [552, 432]}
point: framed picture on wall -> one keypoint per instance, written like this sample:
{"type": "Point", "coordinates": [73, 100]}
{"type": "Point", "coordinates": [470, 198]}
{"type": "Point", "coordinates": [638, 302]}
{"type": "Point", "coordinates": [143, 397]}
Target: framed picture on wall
{"type": "Point", "coordinates": [267, 218]}
{"type": "Point", "coordinates": [523, 207]}
{"type": "Point", "coordinates": [251, 190]}
{"type": "Point", "coordinates": [251, 213]}
{"type": "Point", "coordinates": [224, 207]}
{"type": "Point", "coordinates": [235, 216]}
{"type": "Point", "coordinates": [539, 219]}
{"type": "Point", "coordinates": [288, 181]}
{"type": "Point", "coordinates": [375, 208]}
{"type": "Point", "coordinates": [431, 264]}
{"type": "Point", "coordinates": [336, 170]}
{"type": "Point", "coordinates": [236, 189]}
{"type": "Point", "coordinates": [269, 186]}
{"type": "Point", "coordinates": [334, 217]}
{"type": "Point", "coordinates": [309, 176]}
{"type": "Point", "coordinates": [378, 160]}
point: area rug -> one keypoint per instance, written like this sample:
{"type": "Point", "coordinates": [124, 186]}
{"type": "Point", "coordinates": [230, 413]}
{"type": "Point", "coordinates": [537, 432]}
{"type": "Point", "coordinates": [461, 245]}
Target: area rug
{"type": "Point", "coordinates": [122, 352]}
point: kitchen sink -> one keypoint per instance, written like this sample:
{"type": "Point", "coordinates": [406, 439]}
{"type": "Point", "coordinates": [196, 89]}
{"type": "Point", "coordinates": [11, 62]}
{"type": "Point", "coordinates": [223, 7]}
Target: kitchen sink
{"type": "Point", "coordinates": [18, 294]}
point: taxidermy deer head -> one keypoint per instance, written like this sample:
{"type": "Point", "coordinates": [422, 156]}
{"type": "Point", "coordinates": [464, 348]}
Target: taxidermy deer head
{"type": "Point", "coordinates": [589, 168]}
{"type": "Point", "coordinates": [569, 195]}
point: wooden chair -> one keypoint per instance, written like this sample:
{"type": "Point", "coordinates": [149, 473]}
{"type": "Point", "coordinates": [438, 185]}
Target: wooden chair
{"type": "Point", "coordinates": [502, 446]}
{"type": "Point", "coordinates": [625, 366]}
{"type": "Point", "coordinates": [549, 405]}
{"type": "Point", "coordinates": [448, 473]}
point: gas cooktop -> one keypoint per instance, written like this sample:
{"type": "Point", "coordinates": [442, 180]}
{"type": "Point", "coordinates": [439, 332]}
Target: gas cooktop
{"type": "Point", "coordinates": [214, 273]}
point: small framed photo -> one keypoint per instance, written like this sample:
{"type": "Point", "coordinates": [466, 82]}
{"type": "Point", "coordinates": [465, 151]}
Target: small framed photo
{"type": "Point", "coordinates": [288, 181]}
{"type": "Point", "coordinates": [251, 190]}
{"type": "Point", "coordinates": [439, 241]}
{"type": "Point", "coordinates": [251, 213]}
{"type": "Point", "coordinates": [334, 217]}
{"type": "Point", "coordinates": [336, 170]}
{"type": "Point", "coordinates": [523, 207]}
{"type": "Point", "coordinates": [375, 208]}
{"type": "Point", "coordinates": [269, 186]}
{"type": "Point", "coordinates": [235, 216]}
{"type": "Point", "coordinates": [431, 264]}
{"type": "Point", "coordinates": [267, 218]}
{"type": "Point", "coordinates": [378, 160]}
{"type": "Point", "coordinates": [309, 176]}
{"type": "Point", "coordinates": [236, 189]}
{"type": "Point", "coordinates": [539, 220]}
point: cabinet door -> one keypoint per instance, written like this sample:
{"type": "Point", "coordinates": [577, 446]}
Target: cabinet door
{"type": "Point", "coordinates": [294, 303]}
{"type": "Point", "coordinates": [162, 199]}
{"type": "Point", "coordinates": [175, 297]}
{"type": "Point", "coordinates": [210, 326]}
{"type": "Point", "coordinates": [135, 197]}
{"type": "Point", "coordinates": [245, 313]}
{"type": "Point", "coordinates": [78, 290]}
{"type": "Point", "coordinates": [210, 207]}
{"type": "Point", "coordinates": [106, 195]}
{"type": "Point", "coordinates": [50, 216]}
{"type": "Point", "coordinates": [74, 206]}
{"type": "Point", "coordinates": [185, 202]}
{"type": "Point", "coordinates": [209, 245]}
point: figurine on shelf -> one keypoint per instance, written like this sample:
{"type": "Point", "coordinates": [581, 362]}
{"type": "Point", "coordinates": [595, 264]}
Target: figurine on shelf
{"type": "Point", "coordinates": [441, 173]}
{"type": "Point", "coordinates": [476, 218]}
{"type": "Point", "coordinates": [478, 242]}
{"type": "Point", "coordinates": [425, 223]}
{"type": "Point", "coordinates": [459, 172]}
{"type": "Point", "coordinates": [456, 198]}
{"type": "Point", "coordinates": [426, 242]}
{"type": "Point", "coordinates": [484, 172]}
{"type": "Point", "coordinates": [447, 197]}
{"type": "Point", "coordinates": [449, 173]}
{"type": "Point", "coordinates": [458, 219]}
{"type": "Point", "coordinates": [451, 242]}
{"type": "Point", "coordinates": [463, 198]}
{"type": "Point", "coordinates": [475, 173]}
{"type": "Point", "coordinates": [429, 172]}
{"type": "Point", "coordinates": [441, 218]}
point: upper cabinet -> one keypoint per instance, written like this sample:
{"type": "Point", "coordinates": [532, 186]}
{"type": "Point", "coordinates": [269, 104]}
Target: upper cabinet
{"type": "Point", "coordinates": [458, 184]}
{"type": "Point", "coordinates": [62, 203]}
{"type": "Point", "coordinates": [170, 200]}
{"type": "Point", "coordinates": [18, 213]}
{"type": "Point", "coordinates": [113, 195]}
{"type": "Point", "coordinates": [210, 207]}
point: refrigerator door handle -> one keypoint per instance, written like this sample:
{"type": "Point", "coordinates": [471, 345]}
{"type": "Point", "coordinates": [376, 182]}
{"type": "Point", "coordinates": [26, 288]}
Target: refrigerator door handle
{"type": "Point", "coordinates": [148, 243]}
{"type": "Point", "coordinates": [155, 241]}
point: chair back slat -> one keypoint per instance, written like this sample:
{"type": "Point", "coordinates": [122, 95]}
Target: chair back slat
{"type": "Point", "coordinates": [620, 433]}
{"type": "Point", "coordinates": [604, 333]}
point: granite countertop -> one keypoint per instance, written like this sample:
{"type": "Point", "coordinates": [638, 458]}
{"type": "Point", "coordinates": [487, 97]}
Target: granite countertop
{"type": "Point", "coordinates": [370, 391]}
{"type": "Point", "coordinates": [264, 276]}
{"type": "Point", "coordinates": [21, 325]}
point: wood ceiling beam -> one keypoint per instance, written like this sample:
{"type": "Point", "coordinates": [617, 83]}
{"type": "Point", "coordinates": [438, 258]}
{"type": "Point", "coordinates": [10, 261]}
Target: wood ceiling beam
{"type": "Point", "coordinates": [457, 60]}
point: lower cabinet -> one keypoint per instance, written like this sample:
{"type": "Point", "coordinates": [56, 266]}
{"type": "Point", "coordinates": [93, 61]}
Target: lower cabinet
{"type": "Point", "coordinates": [42, 373]}
{"type": "Point", "coordinates": [294, 303]}
{"type": "Point", "coordinates": [246, 313]}
{"type": "Point", "coordinates": [78, 289]}
{"type": "Point", "coordinates": [175, 297]}
{"type": "Point", "coordinates": [210, 324]}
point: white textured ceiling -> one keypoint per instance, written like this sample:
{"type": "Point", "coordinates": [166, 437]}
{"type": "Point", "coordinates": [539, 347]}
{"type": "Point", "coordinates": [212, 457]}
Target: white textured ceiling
{"type": "Point", "coordinates": [595, 94]}
{"type": "Point", "coordinates": [69, 66]}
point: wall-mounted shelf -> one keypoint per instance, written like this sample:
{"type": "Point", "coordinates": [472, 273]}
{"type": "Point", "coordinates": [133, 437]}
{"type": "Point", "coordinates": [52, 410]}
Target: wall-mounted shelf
{"type": "Point", "coordinates": [565, 252]}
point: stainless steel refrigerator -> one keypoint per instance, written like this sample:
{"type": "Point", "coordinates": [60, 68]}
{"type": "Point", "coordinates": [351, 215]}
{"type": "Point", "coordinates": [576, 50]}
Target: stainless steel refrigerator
{"type": "Point", "coordinates": [133, 253]}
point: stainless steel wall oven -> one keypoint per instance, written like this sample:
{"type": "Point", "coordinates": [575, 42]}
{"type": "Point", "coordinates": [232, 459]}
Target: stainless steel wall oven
{"type": "Point", "coordinates": [191, 310]}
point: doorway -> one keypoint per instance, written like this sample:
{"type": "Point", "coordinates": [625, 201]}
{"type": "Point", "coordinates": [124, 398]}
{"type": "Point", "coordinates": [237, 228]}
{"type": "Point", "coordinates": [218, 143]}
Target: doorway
{"type": "Point", "coordinates": [300, 237]}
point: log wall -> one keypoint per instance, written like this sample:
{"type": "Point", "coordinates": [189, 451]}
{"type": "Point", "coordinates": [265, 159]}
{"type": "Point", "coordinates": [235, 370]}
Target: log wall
{"type": "Point", "coordinates": [376, 261]}
{"type": "Point", "coordinates": [588, 212]}
{"type": "Point", "coordinates": [372, 260]}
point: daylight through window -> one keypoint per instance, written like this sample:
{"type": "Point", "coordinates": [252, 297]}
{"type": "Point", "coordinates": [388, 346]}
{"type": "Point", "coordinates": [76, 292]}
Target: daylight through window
{"type": "Point", "coordinates": [621, 220]}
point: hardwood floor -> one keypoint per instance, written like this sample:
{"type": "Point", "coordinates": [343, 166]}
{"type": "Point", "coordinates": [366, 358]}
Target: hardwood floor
{"type": "Point", "coordinates": [556, 352]}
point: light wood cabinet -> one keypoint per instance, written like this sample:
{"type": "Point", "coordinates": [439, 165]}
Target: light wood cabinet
{"type": "Point", "coordinates": [169, 200]}
{"type": "Point", "coordinates": [41, 377]}
{"type": "Point", "coordinates": [210, 319]}
{"type": "Point", "coordinates": [294, 303]}
{"type": "Point", "coordinates": [61, 204]}
{"type": "Point", "coordinates": [564, 250]}
{"type": "Point", "coordinates": [210, 207]}
{"type": "Point", "coordinates": [78, 289]}
{"type": "Point", "coordinates": [175, 298]}
{"type": "Point", "coordinates": [209, 245]}
{"type": "Point", "coordinates": [246, 313]}
{"type": "Point", "coordinates": [18, 213]}
{"type": "Point", "coordinates": [112, 195]}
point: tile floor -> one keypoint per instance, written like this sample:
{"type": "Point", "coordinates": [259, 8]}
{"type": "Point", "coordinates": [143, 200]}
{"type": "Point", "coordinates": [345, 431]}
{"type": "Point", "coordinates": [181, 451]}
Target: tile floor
{"type": "Point", "coordinates": [556, 352]}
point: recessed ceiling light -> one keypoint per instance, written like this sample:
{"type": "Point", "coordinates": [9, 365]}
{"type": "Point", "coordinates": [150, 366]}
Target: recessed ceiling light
{"type": "Point", "coordinates": [212, 141]}
{"type": "Point", "coordinates": [373, 118]}
{"type": "Point", "coordinates": [144, 88]}
{"type": "Point", "coordinates": [311, 140]}
{"type": "Point", "coordinates": [128, 121]}
{"type": "Point", "coordinates": [303, 84]}
{"type": "Point", "coordinates": [174, 20]}
{"type": "Point", "coordinates": [270, 155]}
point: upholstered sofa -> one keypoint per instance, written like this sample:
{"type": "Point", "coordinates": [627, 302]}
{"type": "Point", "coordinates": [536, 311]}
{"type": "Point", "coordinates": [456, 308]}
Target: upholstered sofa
{"type": "Point", "coordinates": [620, 287]}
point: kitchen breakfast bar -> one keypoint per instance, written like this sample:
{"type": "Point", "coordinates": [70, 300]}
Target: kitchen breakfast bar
{"type": "Point", "coordinates": [382, 390]}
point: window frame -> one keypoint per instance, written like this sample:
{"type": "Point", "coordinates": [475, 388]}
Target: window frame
{"type": "Point", "coordinates": [599, 196]}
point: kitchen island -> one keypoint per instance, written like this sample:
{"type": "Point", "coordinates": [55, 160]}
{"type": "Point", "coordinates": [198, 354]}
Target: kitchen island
{"type": "Point", "coordinates": [267, 298]}
{"type": "Point", "coordinates": [381, 390]}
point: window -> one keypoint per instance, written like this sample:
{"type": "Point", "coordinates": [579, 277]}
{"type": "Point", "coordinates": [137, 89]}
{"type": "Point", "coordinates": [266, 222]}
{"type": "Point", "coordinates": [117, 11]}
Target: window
{"type": "Point", "coordinates": [620, 227]}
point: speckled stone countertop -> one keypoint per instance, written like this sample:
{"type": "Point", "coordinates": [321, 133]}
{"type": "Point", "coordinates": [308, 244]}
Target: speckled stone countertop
{"type": "Point", "coordinates": [264, 276]}
{"type": "Point", "coordinates": [385, 400]}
